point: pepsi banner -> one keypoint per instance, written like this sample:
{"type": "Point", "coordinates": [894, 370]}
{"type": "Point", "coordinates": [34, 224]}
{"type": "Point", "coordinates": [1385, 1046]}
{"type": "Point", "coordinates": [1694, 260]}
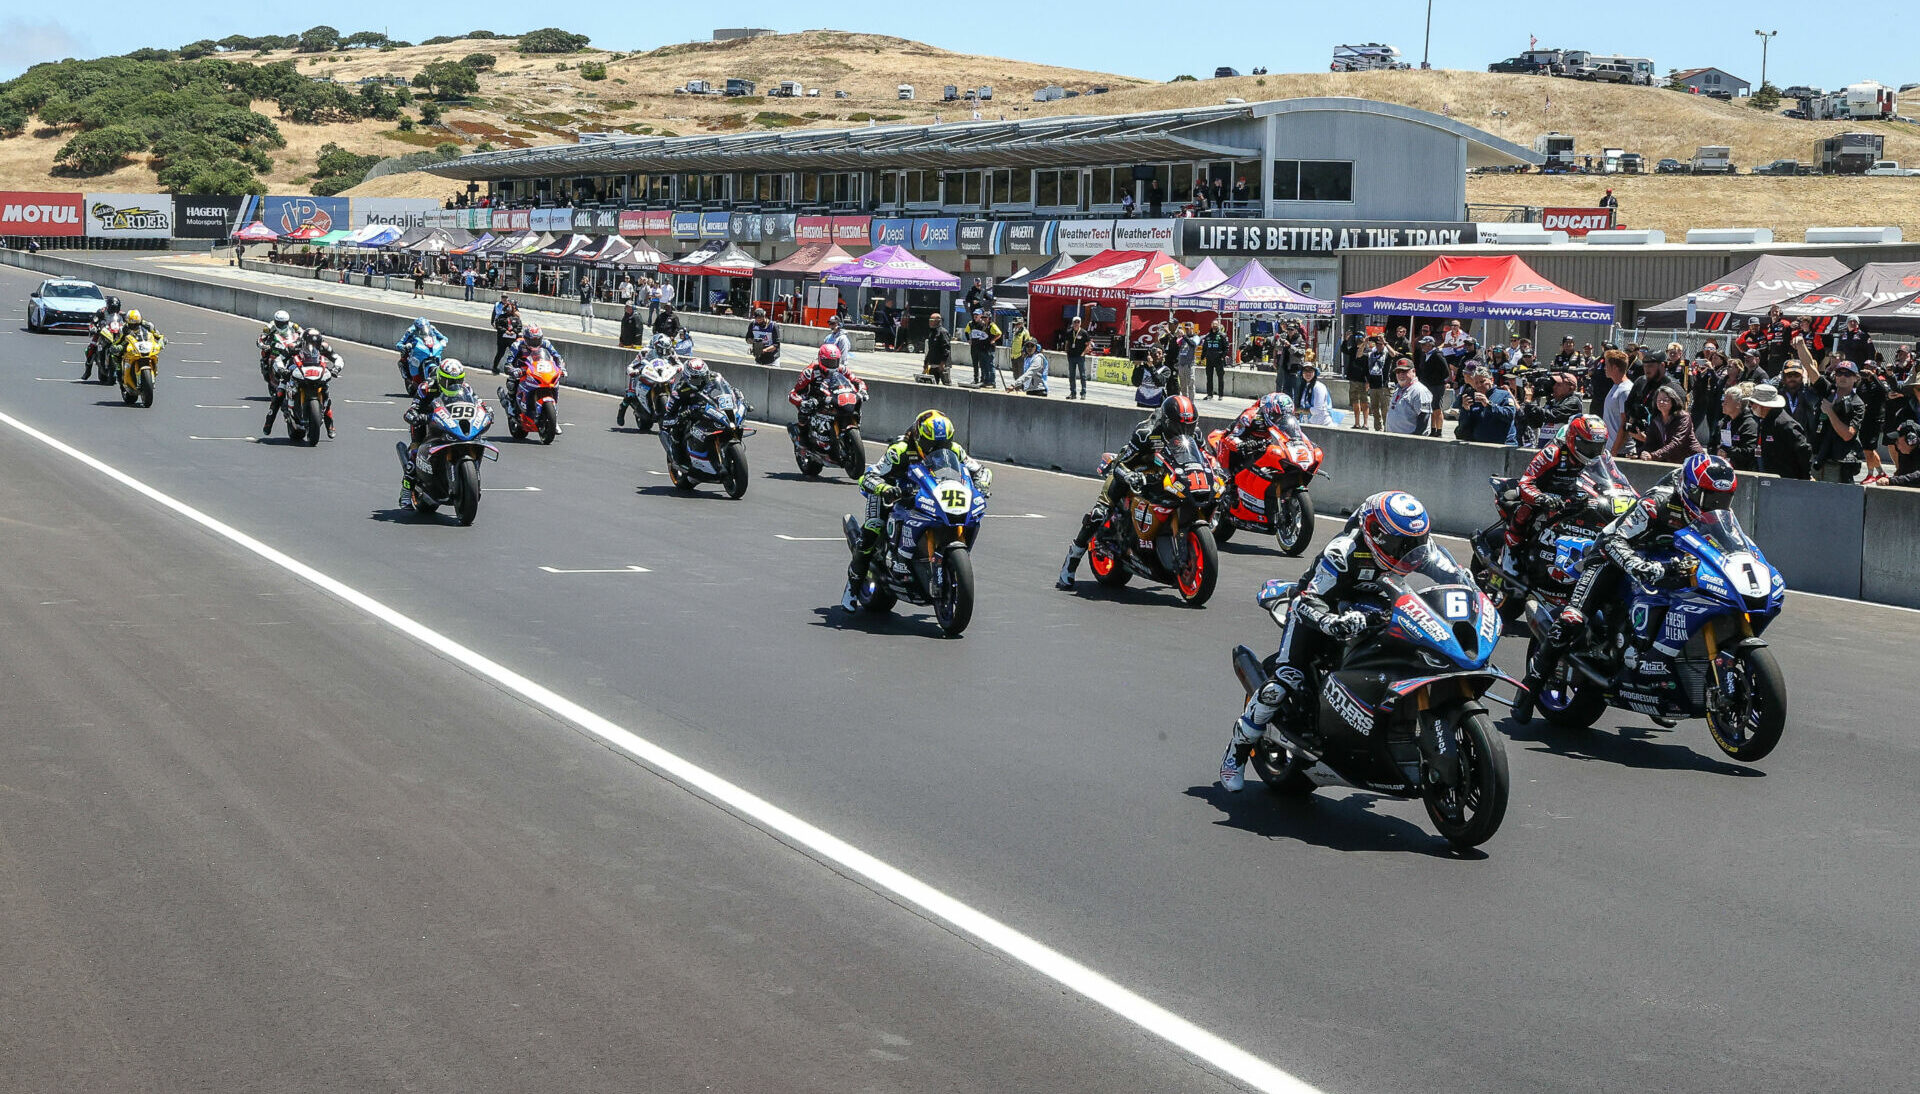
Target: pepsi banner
{"type": "Point", "coordinates": [936, 234]}
{"type": "Point", "coordinates": [892, 232]}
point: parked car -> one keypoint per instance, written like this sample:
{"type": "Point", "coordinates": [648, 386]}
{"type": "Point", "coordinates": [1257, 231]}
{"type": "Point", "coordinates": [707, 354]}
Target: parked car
{"type": "Point", "coordinates": [1891, 169]}
{"type": "Point", "coordinates": [1612, 72]}
{"type": "Point", "coordinates": [1633, 163]}
{"type": "Point", "coordinates": [64, 303]}
{"type": "Point", "coordinates": [1782, 167]}
{"type": "Point", "coordinates": [1517, 64]}
{"type": "Point", "coordinates": [1223, 72]}
{"type": "Point", "coordinates": [1669, 166]}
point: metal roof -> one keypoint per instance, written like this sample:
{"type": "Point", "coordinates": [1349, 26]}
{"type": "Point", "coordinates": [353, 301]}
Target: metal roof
{"type": "Point", "coordinates": [1067, 140]}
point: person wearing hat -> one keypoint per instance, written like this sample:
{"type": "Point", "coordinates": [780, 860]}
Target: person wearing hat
{"type": "Point", "coordinates": [1410, 406]}
{"type": "Point", "coordinates": [1784, 448]}
{"type": "Point", "coordinates": [1837, 447]}
{"type": "Point", "coordinates": [1905, 443]}
{"type": "Point", "coordinates": [1433, 370]}
{"type": "Point", "coordinates": [1313, 400]}
{"type": "Point", "coordinates": [1737, 437]}
{"type": "Point", "coordinates": [982, 336]}
{"type": "Point", "coordinates": [1903, 405]}
{"type": "Point", "coordinates": [1852, 343]}
{"type": "Point", "coordinates": [1487, 413]}
{"type": "Point", "coordinates": [1568, 357]}
{"type": "Point", "coordinates": [1801, 404]}
{"type": "Point", "coordinates": [1558, 406]}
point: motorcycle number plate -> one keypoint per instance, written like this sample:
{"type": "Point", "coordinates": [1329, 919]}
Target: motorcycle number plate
{"type": "Point", "coordinates": [461, 412]}
{"type": "Point", "coordinates": [1747, 575]}
{"type": "Point", "coordinates": [313, 373]}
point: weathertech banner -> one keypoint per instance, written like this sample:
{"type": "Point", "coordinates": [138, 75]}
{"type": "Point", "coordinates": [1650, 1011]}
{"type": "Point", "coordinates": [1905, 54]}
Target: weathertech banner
{"type": "Point", "coordinates": [1085, 237]}
{"type": "Point", "coordinates": [1576, 222]}
{"type": "Point", "coordinates": [1144, 235]}
{"type": "Point", "coordinates": [33, 213]}
{"type": "Point", "coordinates": [129, 216]}
{"type": "Point", "coordinates": [204, 217]}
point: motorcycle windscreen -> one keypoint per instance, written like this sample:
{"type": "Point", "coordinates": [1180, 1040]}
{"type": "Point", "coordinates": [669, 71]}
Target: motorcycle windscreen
{"type": "Point", "coordinates": [1441, 606]}
{"type": "Point", "coordinates": [1603, 476]}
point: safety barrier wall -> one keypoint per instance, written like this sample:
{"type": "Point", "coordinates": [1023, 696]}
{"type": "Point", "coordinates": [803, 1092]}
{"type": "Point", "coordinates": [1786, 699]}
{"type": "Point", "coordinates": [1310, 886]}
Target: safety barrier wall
{"type": "Point", "coordinates": [1839, 540]}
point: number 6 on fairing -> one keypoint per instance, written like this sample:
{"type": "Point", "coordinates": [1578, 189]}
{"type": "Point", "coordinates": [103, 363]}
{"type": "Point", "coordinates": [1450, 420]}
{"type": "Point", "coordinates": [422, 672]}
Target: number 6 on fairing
{"type": "Point", "coordinates": [1455, 604]}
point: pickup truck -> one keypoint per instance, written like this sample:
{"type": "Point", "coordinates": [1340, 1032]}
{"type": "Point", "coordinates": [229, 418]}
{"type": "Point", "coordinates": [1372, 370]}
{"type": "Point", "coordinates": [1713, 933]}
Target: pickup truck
{"type": "Point", "coordinates": [1782, 167]}
{"type": "Point", "coordinates": [1892, 169]}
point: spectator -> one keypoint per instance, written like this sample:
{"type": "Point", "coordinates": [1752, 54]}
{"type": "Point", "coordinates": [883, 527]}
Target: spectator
{"type": "Point", "coordinates": [1126, 204]}
{"type": "Point", "coordinates": [1241, 194]}
{"type": "Point", "coordinates": [1217, 190]}
{"type": "Point", "coordinates": [632, 331]}
{"type": "Point", "coordinates": [667, 322]}
{"type": "Point", "coordinates": [506, 328]}
{"type": "Point", "coordinates": [1656, 371]}
{"type": "Point", "coordinates": [975, 297]}
{"type": "Point", "coordinates": [938, 364]}
{"type": "Point", "coordinates": [1354, 356]}
{"type": "Point", "coordinates": [419, 280]}
{"type": "Point", "coordinates": [1077, 342]}
{"type": "Point", "coordinates": [1706, 383]}
{"type": "Point", "coordinates": [1739, 432]}
{"type": "Point", "coordinates": [1254, 351]}
{"type": "Point", "coordinates": [1803, 406]}
{"type": "Point", "coordinates": [1568, 357]}
{"type": "Point", "coordinates": [1030, 363]}
{"type": "Point", "coordinates": [1610, 203]}
{"type": "Point", "coordinates": [1186, 350]}
{"type": "Point", "coordinates": [1837, 443]}
{"type": "Point", "coordinates": [1904, 405]}
{"type": "Point", "coordinates": [1433, 371]}
{"type": "Point", "coordinates": [1314, 401]}
{"type": "Point", "coordinates": [467, 279]}
{"type": "Point", "coordinates": [1397, 344]}
{"type": "Point", "coordinates": [1453, 339]}
{"type": "Point", "coordinates": [1784, 450]}
{"type": "Point", "coordinates": [1216, 349]}
{"type": "Point", "coordinates": [1853, 343]}
{"type": "Point", "coordinates": [1905, 444]}
{"type": "Point", "coordinates": [1667, 436]}
{"type": "Point", "coordinates": [1409, 409]}
{"type": "Point", "coordinates": [1613, 409]}
{"type": "Point", "coordinates": [837, 337]}
{"type": "Point", "coordinates": [1155, 198]}
{"type": "Point", "coordinates": [585, 293]}
{"type": "Point", "coordinates": [982, 336]}
{"type": "Point", "coordinates": [1777, 340]}
{"type": "Point", "coordinates": [1559, 405]}
{"type": "Point", "coordinates": [1020, 345]}
{"type": "Point", "coordinates": [626, 289]}
{"type": "Point", "coordinates": [1487, 414]}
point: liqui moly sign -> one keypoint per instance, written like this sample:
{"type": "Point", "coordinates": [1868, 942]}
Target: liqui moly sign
{"type": "Point", "coordinates": [33, 213]}
{"type": "Point", "coordinates": [1576, 222]}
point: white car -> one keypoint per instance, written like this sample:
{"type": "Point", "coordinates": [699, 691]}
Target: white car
{"type": "Point", "coordinates": [62, 303]}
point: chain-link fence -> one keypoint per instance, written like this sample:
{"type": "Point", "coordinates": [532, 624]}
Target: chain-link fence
{"type": "Point", "coordinates": [1503, 214]}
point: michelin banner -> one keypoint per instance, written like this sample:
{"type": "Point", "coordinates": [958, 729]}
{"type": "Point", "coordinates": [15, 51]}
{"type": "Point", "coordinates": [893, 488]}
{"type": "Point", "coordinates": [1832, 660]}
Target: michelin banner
{"type": "Point", "coordinates": [399, 212]}
{"type": "Point", "coordinates": [129, 216]}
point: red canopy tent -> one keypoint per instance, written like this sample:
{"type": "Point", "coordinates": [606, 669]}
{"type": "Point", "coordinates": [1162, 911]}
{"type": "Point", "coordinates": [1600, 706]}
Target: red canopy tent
{"type": "Point", "coordinates": [305, 232]}
{"type": "Point", "coordinates": [1108, 278]}
{"type": "Point", "coordinates": [1500, 287]}
{"type": "Point", "coordinates": [810, 261]}
{"type": "Point", "coordinates": [256, 232]}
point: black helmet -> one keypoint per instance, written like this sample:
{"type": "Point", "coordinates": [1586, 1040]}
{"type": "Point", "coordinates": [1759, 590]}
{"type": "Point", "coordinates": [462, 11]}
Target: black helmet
{"type": "Point", "coordinates": [113, 303]}
{"type": "Point", "coordinates": [1176, 417]}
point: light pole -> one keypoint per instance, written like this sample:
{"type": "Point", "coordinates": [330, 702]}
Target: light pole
{"type": "Point", "coordinates": [1765, 35]}
{"type": "Point", "coordinates": [1426, 46]}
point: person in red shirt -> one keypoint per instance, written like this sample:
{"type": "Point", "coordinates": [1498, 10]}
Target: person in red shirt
{"type": "Point", "coordinates": [830, 360]}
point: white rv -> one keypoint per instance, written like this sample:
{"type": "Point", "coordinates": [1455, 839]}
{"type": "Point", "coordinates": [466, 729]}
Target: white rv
{"type": "Point", "coordinates": [1368, 57]}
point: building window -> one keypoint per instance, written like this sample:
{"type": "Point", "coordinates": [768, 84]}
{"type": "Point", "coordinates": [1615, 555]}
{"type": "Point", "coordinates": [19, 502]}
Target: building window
{"type": "Point", "coordinates": [962, 188]}
{"type": "Point", "coordinates": [1058, 189]}
{"type": "Point", "coordinates": [920, 187]}
{"type": "Point", "coordinates": [1011, 187]}
{"type": "Point", "coordinates": [889, 189]}
{"type": "Point", "coordinates": [1312, 180]}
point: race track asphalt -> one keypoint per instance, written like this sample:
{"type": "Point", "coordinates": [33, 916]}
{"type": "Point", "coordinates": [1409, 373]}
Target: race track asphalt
{"type": "Point", "coordinates": [251, 839]}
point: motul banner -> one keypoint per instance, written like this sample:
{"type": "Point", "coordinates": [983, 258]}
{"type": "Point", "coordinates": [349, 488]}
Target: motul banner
{"type": "Point", "coordinates": [1576, 222]}
{"type": "Point", "coordinates": [33, 213]}
{"type": "Point", "coordinates": [129, 216]}
{"type": "Point", "coordinates": [813, 230]}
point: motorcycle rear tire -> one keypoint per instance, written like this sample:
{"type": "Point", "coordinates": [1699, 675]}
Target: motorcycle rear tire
{"type": "Point", "coordinates": [736, 480]}
{"type": "Point", "coordinates": [127, 394]}
{"type": "Point", "coordinates": [466, 491]}
{"type": "Point", "coordinates": [1578, 709]}
{"type": "Point", "coordinates": [1196, 589]}
{"type": "Point", "coordinates": [1768, 689]}
{"type": "Point", "coordinates": [311, 422]}
{"type": "Point", "coordinates": [642, 420]}
{"type": "Point", "coordinates": [1292, 536]}
{"type": "Point", "coordinates": [953, 603]}
{"type": "Point", "coordinates": [853, 453]}
{"type": "Point", "coordinates": [1283, 770]}
{"type": "Point", "coordinates": [1223, 528]}
{"type": "Point", "coordinates": [1483, 760]}
{"type": "Point", "coordinates": [146, 389]}
{"type": "Point", "coordinates": [1107, 569]}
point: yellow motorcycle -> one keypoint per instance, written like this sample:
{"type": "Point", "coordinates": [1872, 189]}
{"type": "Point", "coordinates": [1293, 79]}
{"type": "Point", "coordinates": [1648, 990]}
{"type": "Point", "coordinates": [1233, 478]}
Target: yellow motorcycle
{"type": "Point", "coordinates": [139, 360]}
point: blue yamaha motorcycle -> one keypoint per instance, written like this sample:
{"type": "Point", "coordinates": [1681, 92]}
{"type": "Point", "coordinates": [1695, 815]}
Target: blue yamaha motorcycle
{"type": "Point", "coordinates": [446, 456]}
{"type": "Point", "coordinates": [925, 557]}
{"type": "Point", "coordinates": [713, 451]}
{"type": "Point", "coordinates": [1692, 650]}
{"type": "Point", "coordinates": [1397, 711]}
{"type": "Point", "coordinates": [418, 361]}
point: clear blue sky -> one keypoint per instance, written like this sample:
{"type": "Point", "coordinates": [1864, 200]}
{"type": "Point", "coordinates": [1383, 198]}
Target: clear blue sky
{"type": "Point", "coordinates": [1829, 45]}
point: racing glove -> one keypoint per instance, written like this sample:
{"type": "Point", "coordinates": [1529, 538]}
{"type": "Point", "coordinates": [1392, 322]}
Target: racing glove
{"type": "Point", "coordinates": [1648, 573]}
{"type": "Point", "coordinates": [1346, 626]}
{"type": "Point", "coordinates": [807, 405]}
{"type": "Point", "coordinates": [1136, 482]}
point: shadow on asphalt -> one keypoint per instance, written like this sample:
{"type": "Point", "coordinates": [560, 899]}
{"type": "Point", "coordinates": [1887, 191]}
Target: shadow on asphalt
{"type": "Point", "coordinates": [882, 625]}
{"type": "Point", "coordinates": [1346, 823]}
{"type": "Point", "coordinates": [1628, 746]}
{"type": "Point", "coordinates": [825, 478]}
{"type": "Point", "coordinates": [395, 515]}
{"type": "Point", "coordinates": [713, 492]}
{"type": "Point", "coordinates": [1163, 596]}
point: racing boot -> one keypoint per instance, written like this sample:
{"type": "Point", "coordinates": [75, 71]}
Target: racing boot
{"type": "Point", "coordinates": [328, 415]}
{"type": "Point", "coordinates": [1546, 660]}
{"type": "Point", "coordinates": [1272, 697]}
{"type": "Point", "coordinates": [406, 493]}
{"type": "Point", "coordinates": [1074, 554]}
{"type": "Point", "coordinates": [1089, 524]}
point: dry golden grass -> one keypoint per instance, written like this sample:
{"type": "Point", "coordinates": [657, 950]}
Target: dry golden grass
{"type": "Point", "coordinates": [1675, 203]}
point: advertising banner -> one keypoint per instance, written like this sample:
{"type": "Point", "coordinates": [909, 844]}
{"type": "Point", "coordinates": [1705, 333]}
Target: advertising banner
{"type": "Point", "coordinates": [686, 225]}
{"type": "Point", "coordinates": [583, 221]}
{"type": "Point", "coordinates": [129, 216]}
{"type": "Point", "coordinates": [210, 217]}
{"type": "Point", "coordinates": [502, 220]}
{"type": "Point", "coordinates": [743, 227]}
{"type": "Point", "coordinates": [403, 213]}
{"type": "Point", "coordinates": [606, 222]}
{"type": "Point", "coordinates": [936, 234]}
{"type": "Point", "coordinates": [290, 214]}
{"type": "Point", "coordinates": [1576, 222]}
{"type": "Point", "coordinates": [714, 225]}
{"type": "Point", "coordinates": [1274, 238]}
{"type": "Point", "coordinates": [34, 213]}
{"type": "Point", "coordinates": [1085, 237]}
{"type": "Point", "coordinates": [519, 220]}
{"type": "Point", "coordinates": [1029, 237]}
{"type": "Point", "coordinates": [777, 227]}
{"type": "Point", "coordinates": [633, 223]}
{"type": "Point", "coordinates": [896, 232]}
{"type": "Point", "coordinates": [813, 230]}
{"type": "Point", "coordinates": [852, 231]}
{"type": "Point", "coordinates": [1145, 235]}
{"type": "Point", "coordinates": [658, 222]}
{"type": "Point", "coordinates": [979, 237]}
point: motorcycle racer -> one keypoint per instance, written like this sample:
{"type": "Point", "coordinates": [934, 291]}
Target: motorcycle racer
{"type": "Point", "coordinates": [1175, 417]}
{"type": "Point", "coordinates": [528, 344]}
{"type": "Point", "coordinates": [1248, 432]}
{"type": "Point", "coordinates": [421, 328]}
{"type": "Point", "coordinates": [1702, 485]}
{"type": "Point", "coordinates": [830, 360]}
{"type": "Point", "coordinates": [1387, 535]}
{"type": "Point", "coordinates": [885, 480]}
{"type": "Point", "coordinates": [689, 390]}
{"type": "Point", "coordinates": [310, 339]}
{"type": "Point", "coordinates": [1550, 476]}
{"type": "Point", "coordinates": [280, 324]}
{"type": "Point", "coordinates": [101, 346]}
{"type": "Point", "coordinates": [448, 381]}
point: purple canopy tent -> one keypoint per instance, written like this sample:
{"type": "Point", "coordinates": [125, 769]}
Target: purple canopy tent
{"type": "Point", "coordinates": [1253, 289]}
{"type": "Point", "coordinates": [1204, 276]}
{"type": "Point", "coordinates": [890, 267]}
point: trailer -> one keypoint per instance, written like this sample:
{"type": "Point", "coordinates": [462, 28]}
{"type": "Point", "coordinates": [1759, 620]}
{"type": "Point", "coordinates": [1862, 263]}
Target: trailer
{"type": "Point", "coordinates": [737, 87]}
{"type": "Point", "coordinates": [787, 89]}
{"type": "Point", "coordinates": [1367, 57]}
{"type": "Point", "coordinates": [1848, 153]}
{"type": "Point", "coordinates": [1713, 159]}
{"type": "Point", "coordinates": [1557, 148]}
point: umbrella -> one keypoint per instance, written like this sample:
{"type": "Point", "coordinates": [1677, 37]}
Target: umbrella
{"type": "Point", "coordinates": [256, 232]}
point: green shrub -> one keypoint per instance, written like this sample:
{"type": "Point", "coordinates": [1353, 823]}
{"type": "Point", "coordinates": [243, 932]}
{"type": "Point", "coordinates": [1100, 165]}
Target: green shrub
{"type": "Point", "coordinates": [479, 62]}
{"type": "Point", "coordinates": [100, 151]}
{"type": "Point", "coordinates": [552, 40]}
{"type": "Point", "coordinates": [592, 70]}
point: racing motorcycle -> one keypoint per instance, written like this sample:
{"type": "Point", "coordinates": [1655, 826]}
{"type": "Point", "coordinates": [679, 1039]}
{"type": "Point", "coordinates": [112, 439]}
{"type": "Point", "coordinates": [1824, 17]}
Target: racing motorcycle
{"type": "Point", "coordinates": [278, 355]}
{"type": "Point", "coordinates": [99, 349]}
{"type": "Point", "coordinates": [139, 358]}
{"type": "Point", "coordinates": [1269, 492]}
{"type": "Point", "coordinates": [926, 556]}
{"type": "Point", "coordinates": [446, 462]}
{"type": "Point", "coordinates": [1690, 648]}
{"type": "Point", "coordinates": [1548, 564]}
{"type": "Point", "coordinates": [829, 433]}
{"type": "Point", "coordinates": [533, 406]}
{"type": "Point", "coordinates": [1163, 531]}
{"type": "Point", "coordinates": [1398, 712]}
{"type": "Point", "coordinates": [714, 450]}
{"type": "Point", "coordinates": [418, 361]}
{"type": "Point", "coordinates": [305, 396]}
{"type": "Point", "coordinates": [647, 387]}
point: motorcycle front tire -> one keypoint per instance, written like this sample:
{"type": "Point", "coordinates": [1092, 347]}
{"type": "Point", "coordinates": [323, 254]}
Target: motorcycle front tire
{"type": "Point", "coordinates": [146, 388]}
{"type": "Point", "coordinates": [547, 423]}
{"type": "Point", "coordinates": [466, 491]}
{"type": "Point", "coordinates": [853, 453]}
{"type": "Point", "coordinates": [1291, 535]}
{"type": "Point", "coordinates": [953, 601]}
{"type": "Point", "coordinates": [312, 422]}
{"type": "Point", "coordinates": [1486, 782]}
{"type": "Point", "coordinates": [736, 481]}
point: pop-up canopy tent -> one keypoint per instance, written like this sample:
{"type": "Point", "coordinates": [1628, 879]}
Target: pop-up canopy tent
{"type": "Point", "coordinates": [1106, 280]}
{"type": "Point", "coordinates": [335, 237]}
{"type": "Point", "coordinates": [1253, 290]}
{"type": "Point", "coordinates": [729, 262]}
{"type": "Point", "coordinates": [529, 244]}
{"type": "Point", "coordinates": [642, 253]}
{"type": "Point", "coordinates": [1478, 287]}
{"type": "Point", "coordinates": [374, 235]}
{"type": "Point", "coordinates": [1870, 286]}
{"type": "Point", "coordinates": [606, 250]}
{"type": "Point", "coordinates": [890, 267]}
{"type": "Point", "coordinates": [1749, 290]}
{"type": "Point", "coordinates": [256, 232]}
{"type": "Point", "coordinates": [478, 246]}
{"type": "Point", "coordinates": [565, 247]}
{"type": "Point", "coordinates": [1900, 316]}
{"type": "Point", "coordinates": [1013, 290]}
{"type": "Point", "coordinates": [809, 261]}
{"type": "Point", "coordinates": [1204, 276]}
{"type": "Point", "coordinates": [306, 233]}
{"type": "Point", "coordinates": [410, 237]}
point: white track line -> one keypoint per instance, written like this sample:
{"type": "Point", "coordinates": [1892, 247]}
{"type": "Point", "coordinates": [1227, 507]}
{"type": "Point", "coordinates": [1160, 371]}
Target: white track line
{"type": "Point", "coordinates": [1211, 1050]}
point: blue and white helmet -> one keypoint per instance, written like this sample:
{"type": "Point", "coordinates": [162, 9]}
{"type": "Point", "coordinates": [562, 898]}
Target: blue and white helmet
{"type": "Point", "coordinates": [1395, 526]}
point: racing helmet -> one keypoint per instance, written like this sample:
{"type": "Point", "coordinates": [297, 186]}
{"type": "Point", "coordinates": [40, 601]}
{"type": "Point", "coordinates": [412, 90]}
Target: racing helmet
{"type": "Point", "coordinates": [313, 337]}
{"type": "Point", "coordinates": [1585, 439]}
{"type": "Point", "coordinates": [830, 356]}
{"type": "Point", "coordinates": [281, 319]}
{"type": "Point", "coordinates": [1275, 408]}
{"type": "Point", "coordinates": [133, 318]}
{"type": "Point", "coordinates": [1706, 484]}
{"type": "Point", "coordinates": [931, 432]}
{"type": "Point", "coordinates": [421, 325]}
{"type": "Point", "coordinates": [1394, 526]}
{"type": "Point", "coordinates": [113, 304]}
{"type": "Point", "coordinates": [696, 376]}
{"type": "Point", "coordinates": [535, 334]}
{"type": "Point", "coordinates": [1176, 417]}
{"type": "Point", "coordinates": [449, 377]}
